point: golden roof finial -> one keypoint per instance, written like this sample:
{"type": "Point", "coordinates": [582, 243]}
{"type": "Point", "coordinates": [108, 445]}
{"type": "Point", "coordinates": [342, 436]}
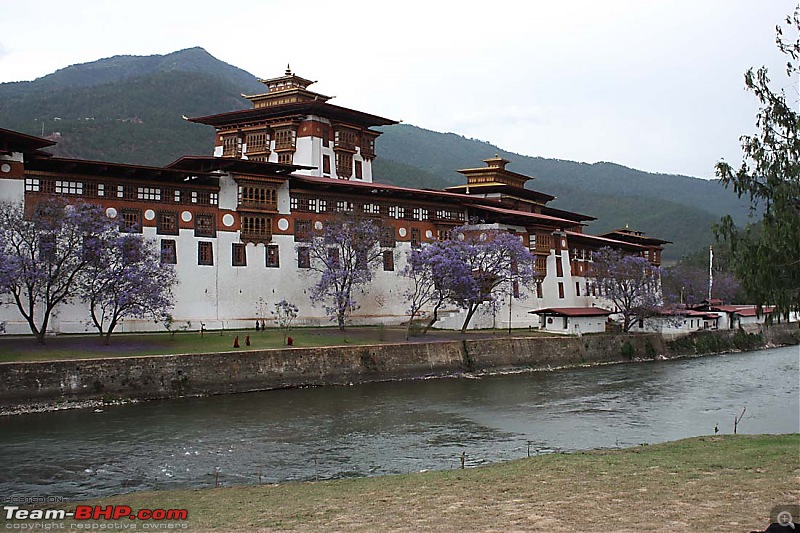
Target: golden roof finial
{"type": "Point", "coordinates": [288, 70]}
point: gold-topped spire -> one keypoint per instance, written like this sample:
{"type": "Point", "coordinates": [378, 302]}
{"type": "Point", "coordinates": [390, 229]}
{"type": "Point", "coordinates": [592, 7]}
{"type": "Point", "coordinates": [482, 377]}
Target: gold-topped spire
{"type": "Point", "coordinates": [288, 70]}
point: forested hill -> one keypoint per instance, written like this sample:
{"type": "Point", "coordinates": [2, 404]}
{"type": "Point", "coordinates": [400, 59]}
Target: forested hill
{"type": "Point", "coordinates": [128, 109]}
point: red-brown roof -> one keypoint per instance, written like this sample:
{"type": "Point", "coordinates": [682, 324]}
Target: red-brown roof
{"type": "Point", "coordinates": [297, 108]}
{"type": "Point", "coordinates": [14, 141]}
{"type": "Point", "coordinates": [603, 241]}
{"type": "Point", "coordinates": [531, 217]}
{"type": "Point", "coordinates": [743, 310]}
{"type": "Point", "coordinates": [196, 163]}
{"type": "Point", "coordinates": [572, 311]}
{"type": "Point", "coordinates": [85, 167]}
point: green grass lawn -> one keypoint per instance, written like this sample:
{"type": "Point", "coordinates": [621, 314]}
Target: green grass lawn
{"type": "Point", "coordinates": [724, 483]}
{"type": "Point", "coordinates": [25, 348]}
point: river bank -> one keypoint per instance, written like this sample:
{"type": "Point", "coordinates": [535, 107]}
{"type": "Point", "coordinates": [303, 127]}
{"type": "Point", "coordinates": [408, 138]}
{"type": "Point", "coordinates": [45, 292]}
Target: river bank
{"type": "Point", "coordinates": [52, 385]}
{"type": "Point", "coordinates": [728, 483]}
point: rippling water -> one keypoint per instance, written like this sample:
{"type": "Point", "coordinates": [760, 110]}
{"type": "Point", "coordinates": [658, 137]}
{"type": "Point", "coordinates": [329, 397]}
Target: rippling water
{"type": "Point", "coordinates": [397, 427]}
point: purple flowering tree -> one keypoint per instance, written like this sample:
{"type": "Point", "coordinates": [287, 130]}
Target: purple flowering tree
{"type": "Point", "coordinates": [474, 268]}
{"type": "Point", "coordinates": [344, 253]}
{"type": "Point", "coordinates": [685, 284]}
{"type": "Point", "coordinates": [124, 278]}
{"type": "Point", "coordinates": [629, 282]}
{"type": "Point", "coordinates": [498, 260]}
{"type": "Point", "coordinates": [44, 254]}
{"type": "Point", "coordinates": [438, 273]}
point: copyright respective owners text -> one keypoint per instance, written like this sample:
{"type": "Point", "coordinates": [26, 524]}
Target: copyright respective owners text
{"type": "Point", "coordinates": [49, 513]}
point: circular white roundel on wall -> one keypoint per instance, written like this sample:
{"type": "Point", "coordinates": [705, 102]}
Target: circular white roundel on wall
{"type": "Point", "coordinates": [186, 216]}
{"type": "Point", "coordinates": [429, 234]}
{"type": "Point", "coordinates": [5, 167]}
{"type": "Point", "coordinates": [149, 214]}
{"type": "Point", "coordinates": [111, 212]}
{"type": "Point", "coordinates": [317, 225]}
{"type": "Point", "coordinates": [402, 232]}
{"type": "Point", "coordinates": [228, 220]}
{"type": "Point", "coordinates": [283, 224]}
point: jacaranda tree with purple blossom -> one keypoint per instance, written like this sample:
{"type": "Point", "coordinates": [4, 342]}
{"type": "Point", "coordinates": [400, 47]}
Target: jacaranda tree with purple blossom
{"type": "Point", "coordinates": [124, 279]}
{"type": "Point", "coordinates": [498, 260]}
{"type": "Point", "coordinates": [438, 274]}
{"type": "Point", "coordinates": [477, 267]}
{"type": "Point", "coordinates": [44, 254]}
{"type": "Point", "coordinates": [344, 253]}
{"type": "Point", "coordinates": [629, 282]}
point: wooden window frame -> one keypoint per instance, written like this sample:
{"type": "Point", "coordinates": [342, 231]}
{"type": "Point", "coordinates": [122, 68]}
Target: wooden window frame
{"type": "Point", "coordinates": [169, 252]}
{"type": "Point", "coordinates": [388, 261]}
{"type": "Point", "coordinates": [238, 254]}
{"type": "Point", "coordinates": [205, 253]}
{"type": "Point", "coordinates": [200, 229]}
{"type": "Point", "coordinates": [272, 256]}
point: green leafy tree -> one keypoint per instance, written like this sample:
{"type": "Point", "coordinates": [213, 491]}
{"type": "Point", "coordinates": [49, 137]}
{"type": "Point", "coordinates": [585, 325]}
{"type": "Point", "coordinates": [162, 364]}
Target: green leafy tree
{"type": "Point", "coordinates": [766, 255]}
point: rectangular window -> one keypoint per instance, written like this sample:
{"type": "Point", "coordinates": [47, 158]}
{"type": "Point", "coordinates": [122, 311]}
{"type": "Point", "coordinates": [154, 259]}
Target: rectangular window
{"type": "Point", "coordinates": [204, 225]}
{"type": "Point", "coordinates": [359, 172]}
{"type": "Point", "coordinates": [303, 258]}
{"type": "Point", "coordinates": [256, 228]}
{"type": "Point", "coordinates": [169, 255]}
{"type": "Point", "coordinates": [577, 288]}
{"type": "Point", "coordinates": [344, 165]}
{"type": "Point", "coordinates": [333, 258]}
{"type": "Point", "coordinates": [285, 158]}
{"type": "Point", "coordinates": [31, 184]}
{"type": "Point", "coordinates": [326, 165]}
{"type": "Point", "coordinates": [387, 237]}
{"type": "Point", "coordinates": [559, 267]}
{"type": "Point", "coordinates": [561, 290]}
{"type": "Point", "coordinates": [205, 253]}
{"type": "Point", "coordinates": [148, 193]}
{"type": "Point", "coordinates": [238, 255]}
{"type": "Point", "coordinates": [69, 187]}
{"type": "Point", "coordinates": [177, 198]}
{"type": "Point", "coordinates": [167, 223]}
{"type": "Point", "coordinates": [388, 260]}
{"type": "Point", "coordinates": [415, 238]}
{"type": "Point", "coordinates": [302, 231]}
{"type": "Point", "coordinates": [130, 220]}
{"type": "Point", "coordinates": [273, 258]}
{"type": "Point", "coordinates": [539, 291]}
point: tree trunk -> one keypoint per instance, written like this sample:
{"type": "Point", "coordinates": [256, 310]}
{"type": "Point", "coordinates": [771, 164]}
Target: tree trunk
{"type": "Point", "coordinates": [408, 326]}
{"type": "Point", "coordinates": [470, 312]}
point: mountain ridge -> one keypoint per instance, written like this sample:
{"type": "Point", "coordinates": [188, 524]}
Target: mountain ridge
{"type": "Point", "coordinates": [128, 109]}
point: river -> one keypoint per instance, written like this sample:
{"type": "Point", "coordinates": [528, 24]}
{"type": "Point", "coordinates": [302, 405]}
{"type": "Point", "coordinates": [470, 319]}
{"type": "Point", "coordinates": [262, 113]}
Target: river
{"type": "Point", "coordinates": [394, 427]}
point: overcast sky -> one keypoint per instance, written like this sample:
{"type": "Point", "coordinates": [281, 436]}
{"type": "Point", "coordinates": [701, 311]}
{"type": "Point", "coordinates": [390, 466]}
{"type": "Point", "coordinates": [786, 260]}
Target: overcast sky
{"type": "Point", "coordinates": [654, 85]}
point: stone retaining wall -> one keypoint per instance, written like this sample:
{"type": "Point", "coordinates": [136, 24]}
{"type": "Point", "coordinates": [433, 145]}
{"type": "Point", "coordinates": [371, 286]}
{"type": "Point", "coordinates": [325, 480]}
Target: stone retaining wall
{"type": "Point", "coordinates": [169, 376]}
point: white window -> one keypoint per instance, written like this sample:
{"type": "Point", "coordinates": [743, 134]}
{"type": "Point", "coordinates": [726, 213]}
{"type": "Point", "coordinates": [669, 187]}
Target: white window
{"type": "Point", "coordinates": [120, 191]}
{"type": "Point", "coordinates": [101, 189]}
{"type": "Point", "coordinates": [177, 196]}
{"type": "Point", "coordinates": [213, 198]}
{"type": "Point", "coordinates": [69, 187]}
{"type": "Point", "coordinates": [148, 193]}
{"type": "Point", "coordinates": [194, 197]}
{"type": "Point", "coordinates": [32, 185]}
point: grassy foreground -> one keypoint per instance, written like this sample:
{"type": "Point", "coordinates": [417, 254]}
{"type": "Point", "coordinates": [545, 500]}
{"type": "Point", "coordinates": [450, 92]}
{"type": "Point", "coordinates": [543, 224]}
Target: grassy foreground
{"type": "Point", "coordinates": [725, 483]}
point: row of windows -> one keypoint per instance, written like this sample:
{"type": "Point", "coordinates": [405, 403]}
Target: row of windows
{"type": "Point", "coordinates": [121, 192]}
{"type": "Point", "coordinates": [205, 255]}
{"type": "Point", "coordinates": [311, 204]}
{"type": "Point", "coordinates": [130, 221]}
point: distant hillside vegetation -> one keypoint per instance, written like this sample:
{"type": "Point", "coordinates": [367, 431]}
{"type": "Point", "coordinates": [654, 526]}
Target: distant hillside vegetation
{"type": "Point", "coordinates": [128, 109]}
